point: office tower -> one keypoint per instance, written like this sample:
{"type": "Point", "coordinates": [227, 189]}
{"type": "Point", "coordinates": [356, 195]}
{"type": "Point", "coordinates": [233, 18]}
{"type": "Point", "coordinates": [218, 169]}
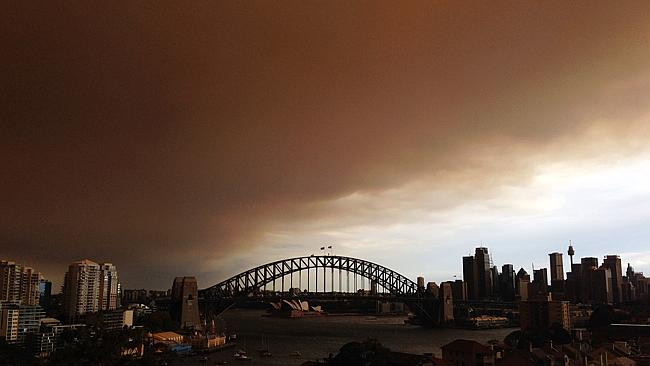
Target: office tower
{"type": "Point", "coordinates": [540, 282]}
{"type": "Point", "coordinates": [470, 278]}
{"type": "Point", "coordinates": [185, 308]}
{"type": "Point", "coordinates": [81, 288]}
{"type": "Point", "coordinates": [573, 287]}
{"type": "Point", "coordinates": [494, 279]}
{"type": "Point", "coordinates": [522, 279]}
{"type": "Point", "coordinates": [613, 262]}
{"type": "Point", "coordinates": [108, 287]}
{"type": "Point", "coordinates": [557, 268]}
{"type": "Point", "coordinates": [507, 282]}
{"type": "Point", "coordinates": [587, 265]}
{"type": "Point", "coordinates": [19, 283]}
{"type": "Point", "coordinates": [543, 313]}
{"type": "Point", "coordinates": [601, 284]}
{"type": "Point", "coordinates": [483, 272]}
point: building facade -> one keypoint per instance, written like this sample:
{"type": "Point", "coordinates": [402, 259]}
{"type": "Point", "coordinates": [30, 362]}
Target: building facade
{"type": "Point", "coordinates": [19, 283]}
{"type": "Point", "coordinates": [109, 298]}
{"type": "Point", "coordinates": [81, 288]}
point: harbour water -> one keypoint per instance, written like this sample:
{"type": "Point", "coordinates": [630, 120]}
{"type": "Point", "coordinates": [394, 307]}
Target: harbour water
{"type": "Point", "coordinates": [316, 337]}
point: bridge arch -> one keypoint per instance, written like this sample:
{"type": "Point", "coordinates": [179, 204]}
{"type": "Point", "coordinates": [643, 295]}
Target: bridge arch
{"type": "Point", "coordinates": [253, 279]}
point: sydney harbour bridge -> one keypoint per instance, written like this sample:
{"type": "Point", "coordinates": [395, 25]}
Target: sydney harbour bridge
{"type": "Point", "coordinates": [315, 276]}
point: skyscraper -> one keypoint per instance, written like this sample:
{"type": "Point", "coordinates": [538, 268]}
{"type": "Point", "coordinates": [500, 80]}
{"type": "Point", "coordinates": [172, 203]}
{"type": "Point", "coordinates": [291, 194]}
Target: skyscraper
{"type": "Point", "coordinates": [587, 265]}
{"type": "Point", "coordinates": [557, 275]}
{"type": "Point", "coordinates": [601, 284]}
{"type": "Point", "coordinates": [483, 272]}
{"type": "Point", "coordinates": [613, 262]}
{"type": "Point", "coordinates": [507, 282]}
{"type": "Point", "coordinates": [469, 276]}
{"type": "Point", "coordinates": [108, 287]}
{"type": "Point", "coordinates": [557, 267]}
{"type": "Point", "coordinates": [81, 288]}
{"type": "Point", "coordinates": [522, 279]}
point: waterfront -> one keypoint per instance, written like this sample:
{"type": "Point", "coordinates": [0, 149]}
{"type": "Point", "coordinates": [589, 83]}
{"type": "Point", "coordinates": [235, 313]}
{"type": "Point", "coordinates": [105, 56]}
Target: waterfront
{"type": "Point", "coordinates": [316, 337]}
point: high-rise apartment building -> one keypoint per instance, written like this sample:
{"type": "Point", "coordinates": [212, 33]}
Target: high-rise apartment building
{"type": "Point", "coordinates": [18, 320]}
{"type": "Point", "coordinates": [613, 262]}
{"type": "Point", "coordinates": [19, 283]}
{"type": "Point", "coordinates": [81, 288]}
{"type": "Point", "coordinates": [109, 298]}
{"type": "Point", "coordinates": [90, 287]}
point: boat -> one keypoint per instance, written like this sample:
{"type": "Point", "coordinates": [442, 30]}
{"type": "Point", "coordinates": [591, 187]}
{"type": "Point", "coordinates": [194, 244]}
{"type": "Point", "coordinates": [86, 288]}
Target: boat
{"type": "Point", "coordinates": [295, 354]}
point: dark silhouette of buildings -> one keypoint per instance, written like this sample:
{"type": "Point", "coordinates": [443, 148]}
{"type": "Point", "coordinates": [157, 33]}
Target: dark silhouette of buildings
{"type": "Point", "coordinates": [613, 262]}
{"type": "Point", "coordinates": [557, 275]}
{"type": "Point", "coordinates": [470, 278]}
{"type": "Point", "coordinates": [543, 313]}
{"type": "Point", "coordinates": [507, 283]}
{"type": "Point", "coordinates": [522, 280]}
{"type": "Point", "coordinates": [478, 275]}
{"type": "Point", "coordinates": [483, 272]}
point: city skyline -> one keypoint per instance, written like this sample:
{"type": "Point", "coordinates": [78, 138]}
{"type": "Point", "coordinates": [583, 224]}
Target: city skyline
{"type": "Point", "coordinates": [174, 145]}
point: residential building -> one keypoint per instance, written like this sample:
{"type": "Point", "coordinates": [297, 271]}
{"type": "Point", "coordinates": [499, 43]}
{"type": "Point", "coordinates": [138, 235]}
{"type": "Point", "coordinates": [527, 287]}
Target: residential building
{"type": "Point", "coordinates": [463, 352]}
{"type": "Point", "coordinates": [18, 320]}
{"type": "Point", "coordinates": [108, 287]}
{"type": "Point", "coordinates": [19, 283]}
{"type": "Point", "coordinates": [542, 313]}
{"type": "Point", "coordinates": [81, 291]}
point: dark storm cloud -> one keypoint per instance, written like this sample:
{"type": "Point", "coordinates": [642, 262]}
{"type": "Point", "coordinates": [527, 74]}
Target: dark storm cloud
{"type": "Point", "coordinates": [158, 136]}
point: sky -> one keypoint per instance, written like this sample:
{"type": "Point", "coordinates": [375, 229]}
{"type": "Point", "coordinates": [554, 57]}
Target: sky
{"type": "Point", "coordinates": [205, 138]}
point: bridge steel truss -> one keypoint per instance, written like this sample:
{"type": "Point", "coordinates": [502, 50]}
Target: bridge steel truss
{"type": "Point", "coordinates": [252, 280]}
